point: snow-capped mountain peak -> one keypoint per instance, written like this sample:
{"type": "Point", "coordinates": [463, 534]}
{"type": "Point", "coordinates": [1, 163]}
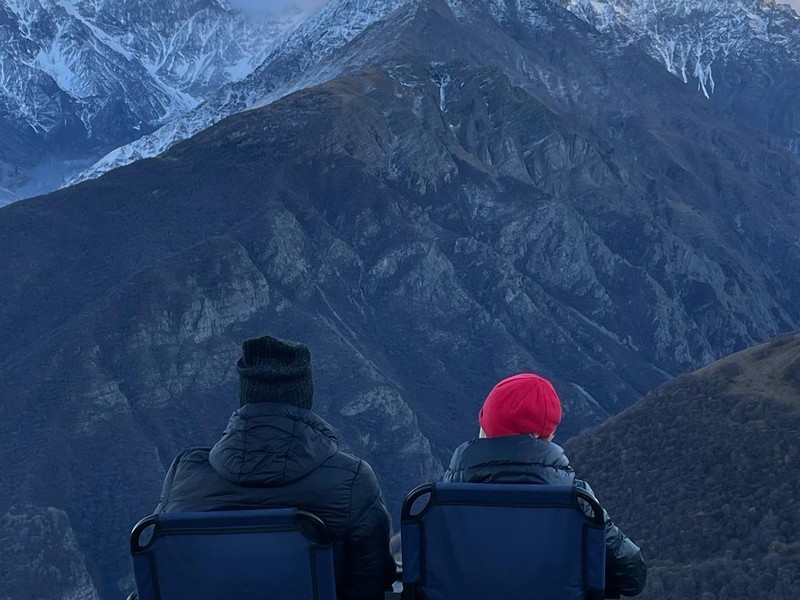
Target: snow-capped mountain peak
{"type": "Point", "coordinates": [82, 76]}
{"type": "Point", "coordinates": [288, 68]}
{"type": "Point", "coordinates": [687, 36]}
{"type": "Point", "coordinates": [691, 38]}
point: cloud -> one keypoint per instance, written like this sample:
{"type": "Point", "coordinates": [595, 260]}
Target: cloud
{"type": "Point", "coordinates": [276, 6]}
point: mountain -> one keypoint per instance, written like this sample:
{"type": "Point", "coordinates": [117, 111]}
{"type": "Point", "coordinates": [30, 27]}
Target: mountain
{"type": "Point", "coordinates": [41, 556]}
{"type": "Point", "coordinates": [742, 54]}
{"type": "Point", "coordinates": [703, 474]}
{"type": "Point", "coordinates": [293, 65]}
{"type": "Point", "coordinates": [79, 77]}
{"type": "Point", "coordinates": [482, 188]}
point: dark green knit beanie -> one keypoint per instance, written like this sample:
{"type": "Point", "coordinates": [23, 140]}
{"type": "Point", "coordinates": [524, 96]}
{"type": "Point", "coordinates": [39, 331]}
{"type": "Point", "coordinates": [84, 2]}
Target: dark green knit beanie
{"type": "Point", "coordinates": [273, 370]}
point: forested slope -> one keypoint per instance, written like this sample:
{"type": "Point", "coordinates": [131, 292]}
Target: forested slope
{"type": "Point", "coordinates": [703, 474]}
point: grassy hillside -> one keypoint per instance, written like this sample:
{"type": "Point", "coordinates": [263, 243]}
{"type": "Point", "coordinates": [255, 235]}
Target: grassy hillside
{"type": "Point", "coordinates": [704, 474]}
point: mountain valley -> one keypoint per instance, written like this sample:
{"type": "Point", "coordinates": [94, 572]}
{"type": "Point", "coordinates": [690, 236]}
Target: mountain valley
{"type": "Point", "coordinates": [432, 198]}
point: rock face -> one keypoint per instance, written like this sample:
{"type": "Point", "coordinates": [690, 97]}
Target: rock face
{"type": "Point", "coordinates": [299, 62]}
{"type": "Point", "coordinates": [702, 474]}
{"type": "Point", "coordinates": [487, 189]}
{"type": "Point", "coordinates": [41, 557]}
{"type": "Point", "coordinates": [743, 55]}
{"type": "Point", "coordinates": [79, 78]}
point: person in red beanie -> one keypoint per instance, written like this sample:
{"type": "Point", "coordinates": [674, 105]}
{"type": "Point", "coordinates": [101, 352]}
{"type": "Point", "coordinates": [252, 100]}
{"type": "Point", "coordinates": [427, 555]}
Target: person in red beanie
{"type": "Point", "coordinates": [518, 421]}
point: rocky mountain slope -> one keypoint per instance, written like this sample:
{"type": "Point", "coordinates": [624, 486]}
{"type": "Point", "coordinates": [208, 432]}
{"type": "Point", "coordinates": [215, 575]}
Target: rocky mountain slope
{"type": "Point", "coordinates": [293, 65]}
{"type": "Point", "coordinates": [703, 474]}
{"type": "Point", "coordinates": [486, 188]}
{"type": "Point", "coordinates": [742, 54]}
{"type": "Point", "coordinates": [41, 556]}
{"type": "Point", "coordinates": [78, 78]}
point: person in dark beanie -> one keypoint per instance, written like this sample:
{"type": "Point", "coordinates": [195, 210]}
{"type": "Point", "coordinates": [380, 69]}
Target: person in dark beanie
{"type": "Point", "coordinates": [518, 421]}
{"type": "Point", "coordinates": [276, 452]}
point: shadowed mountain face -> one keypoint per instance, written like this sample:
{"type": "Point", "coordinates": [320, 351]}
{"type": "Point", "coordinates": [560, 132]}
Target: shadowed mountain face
{"type": "Point", "coordinates": [702, 473]}
{"type": "Point", "coordinates": [480, 194]}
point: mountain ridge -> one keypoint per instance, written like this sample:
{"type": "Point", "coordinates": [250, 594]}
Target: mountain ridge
{"type": "Point", "coordinates": [79, 77]}
{"type": "Point", "coordinates": [428, 224]}
{"type": "Point", "coordinates": [253, 94]}
{"type": "Point", "coordinates": [743, 55]}
{"type": "Point", "coordinates": [700, 473]}
{"type": "Point", "coordinates": [335, 25]}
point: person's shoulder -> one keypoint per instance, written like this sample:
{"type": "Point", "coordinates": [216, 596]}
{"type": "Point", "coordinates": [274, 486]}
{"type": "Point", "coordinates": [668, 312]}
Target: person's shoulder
{"type": "Point", "coordinates": [346, 462]}
{"type": "Point", "coordinates": [191, 456]}
{"type": "Point", "coordinates": [362, 476]}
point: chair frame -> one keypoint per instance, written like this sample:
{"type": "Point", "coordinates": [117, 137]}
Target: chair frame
{"type": "Point", "coordinates": [322, 540]}
{"type": "Point", "coordinates": [411, 590]}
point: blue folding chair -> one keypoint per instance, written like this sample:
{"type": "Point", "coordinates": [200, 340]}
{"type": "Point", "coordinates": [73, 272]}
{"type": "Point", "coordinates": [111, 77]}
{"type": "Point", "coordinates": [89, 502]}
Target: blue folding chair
{"type": "Point", "coordinates": [280, 554]}
{"type": "Point", "coordinates": [465, 541]}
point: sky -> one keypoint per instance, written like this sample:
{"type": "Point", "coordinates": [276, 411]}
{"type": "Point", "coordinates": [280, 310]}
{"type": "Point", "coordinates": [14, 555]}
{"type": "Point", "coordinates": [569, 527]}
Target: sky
{"type": "Point", "coordinates": [278, 5]}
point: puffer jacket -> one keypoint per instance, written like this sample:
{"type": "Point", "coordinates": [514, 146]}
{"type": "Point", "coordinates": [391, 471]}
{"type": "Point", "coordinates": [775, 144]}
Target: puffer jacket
{"type": "Point", "coordinates": [277, 455]}
{"type": "Point", "coordinates": [526, 459]}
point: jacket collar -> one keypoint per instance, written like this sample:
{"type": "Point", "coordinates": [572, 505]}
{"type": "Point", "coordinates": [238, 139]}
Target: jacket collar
{"type": "Point", "coordinates": [517, 459]}
{"type": "Point", "coordinates": [270, 444]}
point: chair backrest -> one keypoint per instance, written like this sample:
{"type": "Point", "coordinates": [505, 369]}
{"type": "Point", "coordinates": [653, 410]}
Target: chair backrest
{"type": "Point", "coordinates": [280, 554]}
{"type": "Point", "coordinates": [509, 541]}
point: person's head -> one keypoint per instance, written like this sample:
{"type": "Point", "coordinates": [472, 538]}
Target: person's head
{"type": "Point", "coordinates": [522, 404]}
{"type": "Point", "coordinates": [273, 370]}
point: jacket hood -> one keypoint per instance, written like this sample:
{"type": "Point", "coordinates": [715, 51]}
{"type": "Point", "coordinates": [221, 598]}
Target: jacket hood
{"type": "Point", "coordinates": [272, 444]}
{"type": "Point", "coordinates": [510, 459]}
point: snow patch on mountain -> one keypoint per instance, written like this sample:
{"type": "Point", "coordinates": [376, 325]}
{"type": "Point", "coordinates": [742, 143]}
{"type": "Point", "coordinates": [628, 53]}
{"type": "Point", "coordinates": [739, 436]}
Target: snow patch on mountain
{"type": "Point", "coordinates": [688, 36]}
{"type": "Point", "coordinates": [83, 76]}
{"type": "Point", "coordinates": [296, 64]}
{"type": "Point", "coordinates": [158, 62]}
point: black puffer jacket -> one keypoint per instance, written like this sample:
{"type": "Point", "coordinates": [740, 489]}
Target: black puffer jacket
{"type": "Point", "coordinates": [526, 459]}
{"type": "Point", "coordinates": [278, 455]}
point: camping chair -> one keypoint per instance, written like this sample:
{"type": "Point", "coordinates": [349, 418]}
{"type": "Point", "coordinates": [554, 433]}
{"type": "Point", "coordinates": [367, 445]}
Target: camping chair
{"type": "Point", "coordinates": [281, 554]}
{"type": "Point", "coordinates": [464, 541]}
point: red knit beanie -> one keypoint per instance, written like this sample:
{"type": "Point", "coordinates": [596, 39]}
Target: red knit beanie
{"type": "Point", "coordinates": [524, 403]}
